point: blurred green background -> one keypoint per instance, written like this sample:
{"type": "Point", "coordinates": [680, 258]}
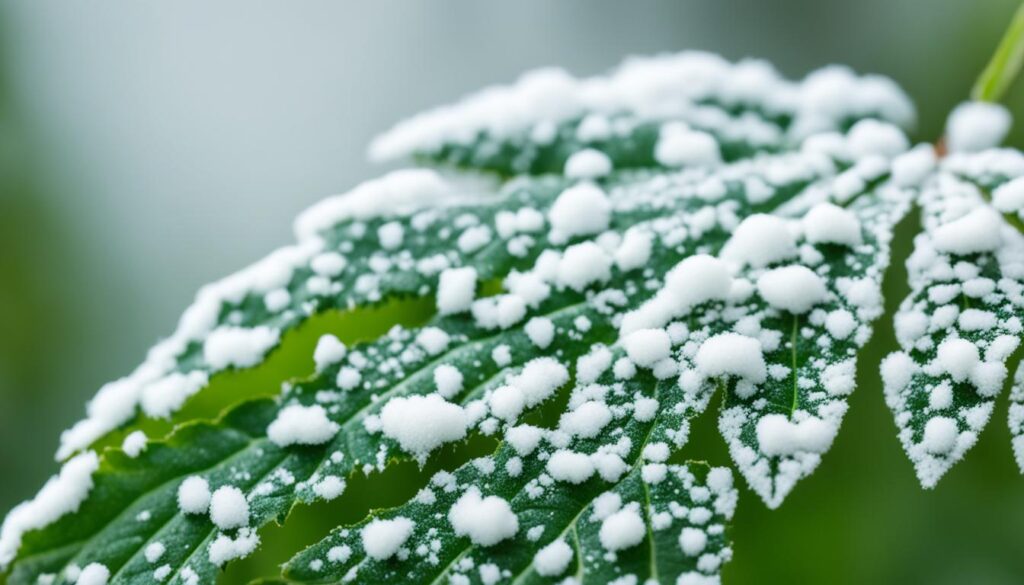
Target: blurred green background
{"type": "Point", "coordinates": [148, 147]}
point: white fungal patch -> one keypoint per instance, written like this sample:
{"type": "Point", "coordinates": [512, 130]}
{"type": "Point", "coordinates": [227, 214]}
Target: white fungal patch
{"type": "Point", "coordinates": [225, 548]}
{"type": "Point", "coordinates": [329, 351]}
{"type": "Point", "coordinates": [553, 559]}
{"type": "Point", "coordinates": [93, 574]}
{"type": "Point", "coordinates": [732, 354]}
{"type": "Point", "coordinates": [582, 265]}
{"type": "Point", "coordinates": [456, 290]}
{"type": "Point", "coordinates": [570, 466]}
{"type": "Point", "coordinates": [621, 530]}
{"type": "Point", "coordinates": [760, 240]}
{"type": "Point", "coordinates": [974, 126]}
{"type": "Point", "coordinates": [940, 434]}
{"type": "Point", "coordinates": [679, 146]}
{"type": "Point", "coordinates": [194, 495]}
{"type": "Point", "coordinates": [302, 425]}
{"type": "Point", "coordinates": [539, 379]}
{"type": "Point", "coordinates": [237, 346]}
{"type": "Point", "coordinates": [485, 520]}
{"type": "Point", "coordinates": [792, 288]}
{"type": "Point", "coordinates": [588, 164]}
{"type": "Point", "coordinates": [63, 494]}
{"type": "Point", "coordinates": [134, 444]}
{"type": "Point", "coordinates": [421, 424]}
{"type": "Point", "coordinates": [229, 508]}
{"type": "Point", "coordinates": [382, 538]}
{"type": "Point", "coordinates": [978, 231]}
{"type": "Point", "coordinates": [777, 435]}
{"type": "Point", "coordinates": [647, 347]}
{"type": "Point", "coordinates": [580, 210]}
{"type": "Point", "coordinates": [826, 223]}
{"type": "Point", "coordinates": [448, 380]}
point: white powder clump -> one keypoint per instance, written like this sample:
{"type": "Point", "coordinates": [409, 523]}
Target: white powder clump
{"type": "Point", "coordinates": [580, 210]}
{"type": "Point", "coordinates": [224, 548]}
{"type": "Point", "coordinates": [541, 331]}
{"type": "Point", "coordinates": [588, 164]}
{"type": "Point", "coordinates": [679, 146]}
{"type": "Point", "coordinates": [957, 357]}
{"type": "Point", "coordinates": [238, 346]}
{"type": "Point", "coordinates": [692, 541]}
{"type": "Point", "coordinates": [871, 137]}
{"type": "Point", "coordinates": [1009, 196]}
{"type": "Point", "coordinates": [840, 323]}
{"type": "Point", "coordinates": [456, 290]}
{"type": "Point", "coordinates": [302, 425]}
{"type": "Point", "coordinates": [348, 378]}
{"type": "Point", "coordinates": [897, 370]}
{"type": "Point", "coordinates": [154, 551]}
{"type": "Point", "coordinates": [420, 424]}
{"type": "Point", "coordinates": [732, 353]}
{"type": "Point", "coordinates": [635, 250]}
{"type": "Point", "coordinates": [194, 495]}
{"type": "Point", "coordinates": [93, 574]}
{"type": "Point", "coordinates": [523, 438]}
{"type": "Point", "coordinates": [940, 434]}
{"type": "Point", "coordinates": [62, 494]}
{"type": "Point", "coordinates": [792, 288]}
{"type": "Point", "coordinates": [134, 444]}
{"type": "Point", "coordinates": [448, 380]}
{"type": "Point", "coordinates": [391, 235]}
{"type": "Point", "coordinates": [978, 231]}
{"type": "Point", "coordinates": [507, 402]}
{"type": "Point", "coordinates": [329, 350]}
{"type": "Point", "coordinates": [339, 554]}
{"type": "Point", "coordinates": [760, 240]}
{"type": "Point", "coordinates": [383, 538]}
{"type": "Point", "coordinates": [777, 435]}
{"type": "Point", "coordinates": [827, 223]}
{"type": "Point", "coordinates": [539, 379]}
{"type": "Point", "coordinates": [584, 264]}
{"type": "Point", "coordinates": [433, 339]}
{"type": "Point", "coordinates": [329, 487]}
{"type": "Point", "coordinates": [165, 396]}
{"type": "Point", "coordinates": [693, 281]}
{"type": "Point", "coordinates": [586, 420]}
{"type": "Point", "coordinates": [229, 508]}
{"type": "Point", "coordinates": [553, 559]}
{"type": "Point", "coordinates": [975, 126]}
{"type": "Point", "coordinates": [647, 347]}
{"type": "Point", "coordinates": [570, 466]}
{"type": "Point", "coordinates": [622, 530]}
{"type": "Point", "coordinates": [485, 520]}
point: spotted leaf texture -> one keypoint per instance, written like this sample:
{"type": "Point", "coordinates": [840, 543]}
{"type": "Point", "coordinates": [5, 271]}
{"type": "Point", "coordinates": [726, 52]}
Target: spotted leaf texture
{"type": "Point", "coordinates": [578, 268]}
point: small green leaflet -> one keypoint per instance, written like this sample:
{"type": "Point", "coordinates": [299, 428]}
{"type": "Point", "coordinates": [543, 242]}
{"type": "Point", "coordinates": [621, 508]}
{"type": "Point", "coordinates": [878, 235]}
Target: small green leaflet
{"type": "Point", "coordinates": [959, 326]}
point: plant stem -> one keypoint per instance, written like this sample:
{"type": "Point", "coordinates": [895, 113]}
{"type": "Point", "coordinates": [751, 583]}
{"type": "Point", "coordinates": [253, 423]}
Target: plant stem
{"type": "Point", "coordinates": [1002, 69]}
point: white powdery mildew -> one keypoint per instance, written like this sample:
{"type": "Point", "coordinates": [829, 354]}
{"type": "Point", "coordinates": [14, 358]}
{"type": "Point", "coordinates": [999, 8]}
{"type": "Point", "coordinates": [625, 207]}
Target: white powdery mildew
{"type": "Point", "coordinates": [62, 495]}
{"type": "Point", "coordinates": [302, 425]}
{"type": "Point", "coordinates": [671, 86]}
{"type": "Point", "coordinates": [711, 317]}
{"type": "Point", "coordinates": [826, 305]}
{"type": "Point", "coordinates": [1016, 417]}
{"type": "Point", "coordinates": [960, 323]}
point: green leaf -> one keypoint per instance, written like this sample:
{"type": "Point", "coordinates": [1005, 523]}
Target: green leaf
{"type": "Point", "coordinates": [961, 323]}
{"type": "Point", "coordinates": [726, 235]}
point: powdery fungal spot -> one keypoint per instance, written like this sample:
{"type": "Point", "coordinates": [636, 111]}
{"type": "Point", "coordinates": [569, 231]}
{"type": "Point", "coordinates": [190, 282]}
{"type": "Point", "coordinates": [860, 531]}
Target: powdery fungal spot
{"type": "Point", "coordinates": [302, 425]}
{"type": "Point", "coordinates": [383, 538]}
{"type": "Point", "coordinates": [421, 424]}
{"type": "Point", "coordinates": [485, 520]}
